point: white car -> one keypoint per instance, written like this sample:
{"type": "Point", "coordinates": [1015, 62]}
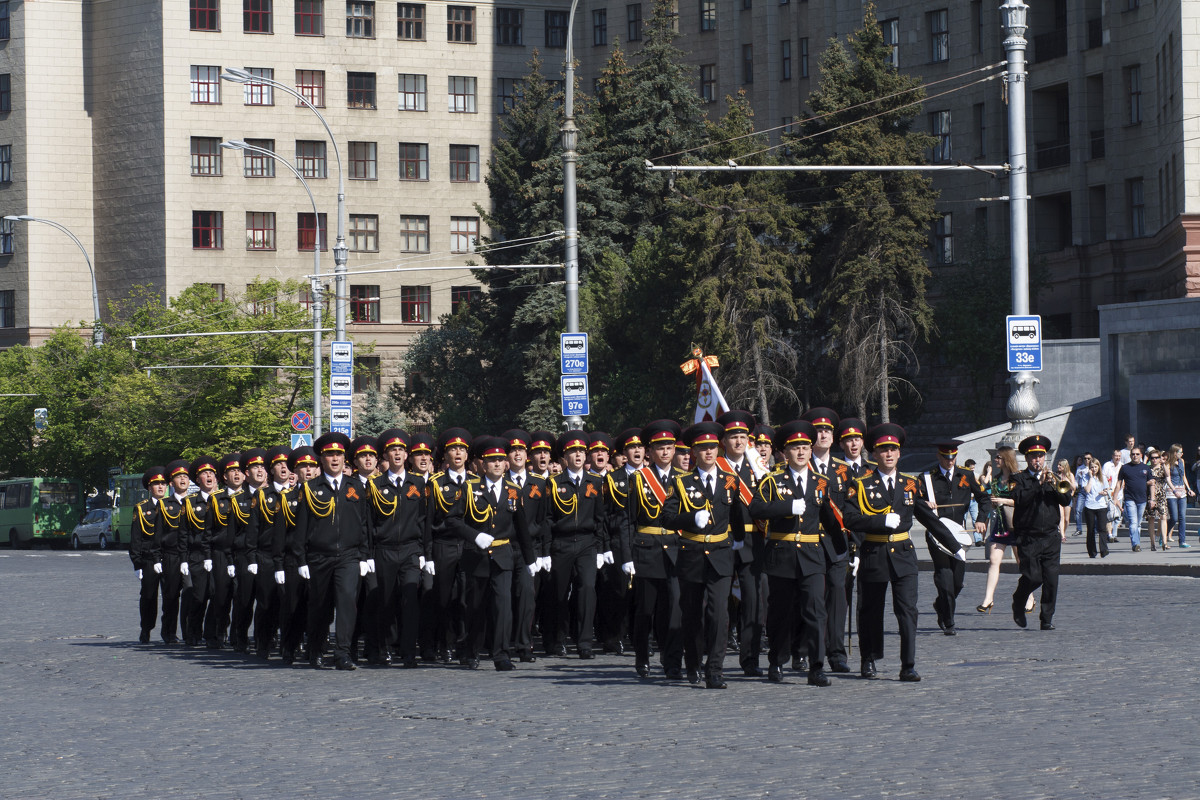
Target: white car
{"type": "Point", "coordinates": [95, 528]}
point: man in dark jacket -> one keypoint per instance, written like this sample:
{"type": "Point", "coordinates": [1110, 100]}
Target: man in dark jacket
{"type": "Point", "coordinates": [1037, 500]}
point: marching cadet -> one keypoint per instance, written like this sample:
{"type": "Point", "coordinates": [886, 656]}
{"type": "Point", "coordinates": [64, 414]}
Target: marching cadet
{"type": "Point", "coordinates": [850, 432]}
{"type": "Point", "coordinates": [1037, 497]}
{"type": "Point", "coordinates": [878, 512]}
{"type": "Point", "coordinates": [839, 590]}
{"type": "Point", "coordinates": [764, 437]}
{"type": "Point", "coordinates": [703, 505]}
{"type": "Point", "coordinates": [612, 583]}
{"type": "Point", "coordinates": [333, 514]}
{"type": "Point", "coordinates": [805, 546]}
{"type": "Point", "coordinates": [291, 588]}
{"type": "Point", "coordinates": [245, 560]}
{"type": "Point", "coordinates": [823, 420]}
{"type": "Point", "coordinates": [488, 516]}
{"type": "Point", "coordinates": [735, 441]}
{"type": "Point", "coordinates": [363, 458]}
{"type": "Point", "coordinates": [652, 550]}
{"type": "Point", "coordinates": [948, 490]}
{"type": "Point", "coordinates": [144, 538]}
{"type": "Point", "coordinates": [526, 581]}
{"type": "Point", "coordinates": [197, 536]}
{"type": "Point", "coordinates": [541, 454]}
{"type": "Point", "coordinates": [267, 547]}
{"type": "Point", "coordinates": [420, 456]}
{"type": "Point", "coordinates": [614, 610]}
{"type": "Point", "coordinates": [600, 446]}
{"type": "Point", "coordinates": [578, 545]}
{"type": "Point", "coordinates": [224, 530]}
{"type": "Point", "coordinates": [398, 508]}
{"type": "Point", "coordinates": [443, 616]}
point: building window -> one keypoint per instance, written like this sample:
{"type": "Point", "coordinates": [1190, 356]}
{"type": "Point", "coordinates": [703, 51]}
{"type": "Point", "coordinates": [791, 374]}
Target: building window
{"type": "Point", "coordinates": [360, 20]}
{"type": "Point", "coordinates": [360, 90]}
{"type": "Point", "coordinates": [310, 231]}
{"type": "Point", "coordinates": [508, 91]}
{"type": "Point", "coordinates": [1137, 207]}
{"type": "Point", "coordinates": [414, 161]}
{"type": "Point", "coordinates": [464, 163]}
{"type": "Point", "coordinates": [891, 38]}
{"type": "Point", "coordinates": [7, 228]}
{"type": "Point", "coordinates": [461, 98]}
{"type": "Point", "coordinates": [310, 17]}
{"type": "Point", "coordinates": [4, 17]}
{"type": "Point", "coordinates": [260, 230]}
{"type": "Point", "coordinates": [364, 233]}
{"type": "Point", "coordinates": [414, 304]}
{"type": "Point", "coordinates": [206, 156]}
{"type": "Point", "coordinates": [366, 374]}
{"type": "Point", "coordinates": [206, 230]}
{"type": "Point", "coordinates": [206, 85]}
{"type": "Point", "coordinates": [362, 158]}
{"type": "Point", "coordinates": [410, 21]}
{"type": "Point", "coordinates": [460, 24]}
{"type": "Point", "coordinates": [556, 29]}
{"type": "Point", "coordinates": [980, 129]}
{"type": "Point", "coordinates": [708, 15]}
{"type": "Point", "coordinates": [310, 158]}
{"type": "Point", "coordinates": [939, 35]}
{"type": "Point", "coordinates": [462, 297]}
{"type": "Point", "coordinates": [708, 82]}
{"type": "Point", "coordinates": [257, 165]}
{"type": "Point", "coordinates": [1133, 84]}
{"type": "Point", "coordinates": [414, 234]}
{"type": "Point", "coordinates": [804, 58]}
{"type": "Point", "coordinates": [943, 240]}
{"type": "Point", "coordinates": [5, 163]}
{"type": "Point", "coordinates": [747, 63]}
{"type": "Point", "coordinates": [364, 303]}
{"type": "Point", "coordinates": [218, 291]}
{"type": "Point", "coordinates": [412, 92]}
{"type": "Point", "coordinates": [311, 85]}
{"type": "Point", "coordinates": [785, 60]}
{"type": "Point", "coordinates": [508, 26]}
{"type": "Point", "coordinates": [256, 92]}
{"type": "Point", "coordinates": [205, 15]}
{"type": "Point", "coordinates": [939, 126]}
{"type": "Point", "coordinates": [600, 27]}
{"type": "Point", "coordinates": [633, 22]}
{"type": "Point", "coordinates": [256, 16]}
{"type": "Point", "coordinates": [8, 299]}
{"type": "Point", "coordinates": [5, 93]}
{"type": "Point", "coordinates": [464, 234]}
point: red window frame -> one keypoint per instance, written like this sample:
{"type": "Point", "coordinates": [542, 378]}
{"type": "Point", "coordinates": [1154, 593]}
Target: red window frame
{"type": "Point", "coordinates": [310, 17]}
{"type": "Point", "coordinates": [204, 15]}
{"type": "Point", "coordinates": [364, 305]}
{"type": "Point", "coordinates": [415, 305]}
{"type": "Point", "coordinates": [311, 85]}
{"type": "Point", "coordinates": [260, 230]}
{"type": "Point", "coordinates": [257, 16]}
{"type": "Point", "coordinates": [309, 230]}
{"type": "Point", "coordinates": [207, 230]}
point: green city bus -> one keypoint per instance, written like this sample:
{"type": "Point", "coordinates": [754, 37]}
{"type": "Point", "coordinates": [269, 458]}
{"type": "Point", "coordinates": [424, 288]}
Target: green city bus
{"type": "Point", "coordinates": [127, 493]}
{"type": "Point", "coordinates": [39, 510]}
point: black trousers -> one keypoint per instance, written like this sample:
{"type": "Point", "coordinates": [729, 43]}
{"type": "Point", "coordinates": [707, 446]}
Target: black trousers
{"type": "Point", "coordinates": [797, 599]}
{"type": "Point", "coordinates": [332, 591]}
{"type": "Point", "coordinates": [704, 607]}
{"type": "Point", "coordinates": [872, 596]}
{"type": "Point", "coordinates": [216, 619]}
{"type": "Point", "coordinates": [442, 612]}
{"type": "Point", "coordinates": [293, 611]}
{"type": "Point", "coordinates": [524, 603]}
{"type": "Point", "coordinates": [148, 598]}
{"type": "Point", "coordinates": [170, 583]}
{"type": "Point", "coordinates": [948, 575]}
{"type": "Point", "coordinates": [1097, 527]}
{"type": "Point", "coordinates": [489, 608]}
{"type": "Point", "coordinates": [573, 574]}
{"type": "Point", "coordinates": [612, 605]}
{"type": "Point", "coordinates": [194, 601]}
{"type": "Point", "coordinates": [752, 609]}
{"type": "Point", "coordinates": [393, 605]}
{"type": "Point", "coordinates": [837, 600]}
{"type": "Point", "coordinates": [268, 596]}
{"type": "Point", "coordinates": [1039, 567]}
{"type": "Point", "coordinates": [243, 603]}
{"type": "Point", "coordinates": [656, 607]}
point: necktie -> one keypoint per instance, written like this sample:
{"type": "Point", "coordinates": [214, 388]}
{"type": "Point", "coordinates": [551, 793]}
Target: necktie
{"type": "Point", "coordinates": [575, 481]}
{"type": "Point", "coordinates": [800, 484]}
{"type": "Point", "coordinates": [708, 484]}
{"type": "Point", "coordinates": [521, 481]}
{"type": "Point", "coordinates": [823, 468]}
{"type": "Point", "coordinates": [335, 486]}
{"type": "Point", "coordinates": [891, 487]}
{"type": "Point", "coordinates": [496, 493]}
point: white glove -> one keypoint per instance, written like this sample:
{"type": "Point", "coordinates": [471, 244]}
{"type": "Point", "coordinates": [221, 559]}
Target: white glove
{"type": "Point", "coordinates": [628, 569]}
{"type": "Point", "coordinates": [420, 562]}
{"type": "Point", "coordinates": [158, 568]}
{"type": "Point", "coordinates": [854, 562]}
{"type": "Point", "coordinates": [738, 545]}
{"type": "Point", "coordinates": [608, 557]}
{"type": "Point", "coordinates": [183, 568]}
{"type": "Point", "coordinates": [304, 573]}
{"type": "Point", "coordinates": [798, 507]}
{"type": "Point", "coordinates": [599, 560]}
{"type": "Point", "coordinates": [429, 568]}
{"type": "Point", "coordinates": [231, 570]}
{"type": "Point", "coordinates": [702, 518]}
{"type": "Point", "coordinates": [208, 565]}
{"type": "Point", "coordinates": [139, 574]}
{"type": "Point", "coordinates": [483, 541]}
{"type": "Point", "coordinates": [370, 565]}
{"type": "Point", "coordinates": [961, 555]}
{"type": "Point", "coordinates": [362, 569]}
{"type": "Point", "coordinates": [280, 577]}
{"type": "Point", "coordinates": [533, 568]}
{"type": "Point", "coordinates": [892, 520]}
{"type": "Point", "coordinates": [545, 563]}
{"type": "Point", "coordinates": [252, 569]}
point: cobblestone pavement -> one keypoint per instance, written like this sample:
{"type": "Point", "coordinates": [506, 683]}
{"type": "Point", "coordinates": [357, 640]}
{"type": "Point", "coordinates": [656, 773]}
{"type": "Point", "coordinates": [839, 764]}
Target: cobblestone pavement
{"type": "Point", "coordinates": [1103, 707]}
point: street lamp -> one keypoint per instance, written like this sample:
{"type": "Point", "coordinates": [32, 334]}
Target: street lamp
{"type": "Point", "coordinates": [237, 75]}
{"type": "Point", "coordinates": [570, 138]}
{"type": "Point", "coordinates": [97, 326]}
{"type": "Point", "coordinates": [1023, 405]}
{"type": "Point", "coordinates": [314, 290]}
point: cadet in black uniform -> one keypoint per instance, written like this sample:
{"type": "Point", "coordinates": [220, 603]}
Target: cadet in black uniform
{"type": "Point", "coordinates": [443, 616]}
{"type": "Point", "coordinates": [225, 528]}
{"type": "Point", "coordinates": [144, 538]}
{"type": "Point", "coordinates": [172, 548]}
{"type": "Point", "coordinates": [197, 525]}
{"type": "Point", "coordinates": [254, 462]}
{"type": "Point", "coordinates": [287, 556]}
{"type": "Point", "coordinates": [525, 581]}
{"type": "Point", "coordinates": [847, 465]}
{"type": "Point", "coordinates": [1037, 499]}
{"type": "Point", "coordinates": [612, 584]}
{"type": "Point", "coordinates": [702, 506]}
{"type": "Point", "coordinates": [265, 543]}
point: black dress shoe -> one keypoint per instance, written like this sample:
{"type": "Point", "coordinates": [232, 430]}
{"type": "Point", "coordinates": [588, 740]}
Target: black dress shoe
{"type": "Point", "coordinates": [642, 670]}
{"type": "Point", "coordinates": [715, 682]}
{"type": "Point", "coordinates": [560, 651]}
{"type": "Point", "coordinates": [444, 657]}
{"type": "Point", "coordinates": [838, 666]}
{"type": "Point", "coordinates": [1047, 626]}
{"type": "Point", "coordinates": [504, 666]}
{"type": "Point", "coordinates": [909, 675]}
{"type": "Point", "coordinates": [170, 640]}
{"type": "Point", "coordinates": [319, 663]}
{"type": "Point", "coordinates": [800, 663]}
{"type": "Point", "coordinates": [144, 638]}
{"type": "Point", "coordinates": [674, 674]}
{"type": "Point", "coordinates": [1018, 610]}
{"type": "Point", "coordinates": [288, 657]}
{"type": "Point", "coordinates": [752, 671]}
{"type": "Point", "coordinates": [428, 656]}
{"type": "Point", "coordinates": [528, 658]}
{"type": "Point", "coordinates": [471, 663]}
{"type": "Point", "coordinates": [774, 674]}
{"type": "Point", "coordinates": [950, 631]}
{"type": "Point", "coordinates": [346, 665]}
{"type": "Point", "coordinates": [693, 676]}
{"type": "Point", "coordinates": [818, 677]}
{"type": "Point", "coordinates": [409, 663]}
{"type": "Point", "coordinates": [586, 654]}
{"type": "Point", "coordinates": [868, 668]}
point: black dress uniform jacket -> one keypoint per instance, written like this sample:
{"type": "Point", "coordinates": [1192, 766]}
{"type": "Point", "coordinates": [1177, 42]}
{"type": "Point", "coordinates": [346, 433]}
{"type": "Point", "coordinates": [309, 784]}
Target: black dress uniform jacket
{"type": "Point", "coordinates": [821, 518]}
{"type": "Point", "coordinates": [477, 512]}
{"type": "Point", "coordinates": [710, 544]}
{"type": "Point", "coordinates": [651, 544]}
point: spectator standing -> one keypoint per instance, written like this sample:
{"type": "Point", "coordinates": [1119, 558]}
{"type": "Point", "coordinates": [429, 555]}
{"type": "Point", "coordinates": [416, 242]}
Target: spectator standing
{"type": "Point", "coordinates": [972, 507]}
{"type": "Point", "coordinates": [1110, 471]}
{"type": "Point", "coordinates": [1062, 472]}
{"type": "Point", "coordinates": [1156, 498]}
{"type": "Point", "coordinates": [1127, 450]}
{"type": "Point", "coordinates": [1082, 473]}
{"type": "Point", "coordinates": [999, 486]}
{"type": "Point", "coordinates": [1178, 491]}
{"type": "Point", "coordinates": [1095, 492]}
{"type": "Point", "coordinates": [1132, 481]}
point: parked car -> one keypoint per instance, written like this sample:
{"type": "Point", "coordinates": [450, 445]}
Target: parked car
{"type": "Point", "coordinates": [95, 528]}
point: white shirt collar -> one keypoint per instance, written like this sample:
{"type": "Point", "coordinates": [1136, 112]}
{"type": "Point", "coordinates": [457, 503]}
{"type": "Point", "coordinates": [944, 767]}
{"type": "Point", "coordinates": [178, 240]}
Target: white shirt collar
{"type": "Point", "coordinates": [575, 477]}
{"type": "Point", "coordinates": [396, 477]}
{"type": "Point", "coordinates": [279, 487]}
{"type": "Point", "coordinates": [799, 476]}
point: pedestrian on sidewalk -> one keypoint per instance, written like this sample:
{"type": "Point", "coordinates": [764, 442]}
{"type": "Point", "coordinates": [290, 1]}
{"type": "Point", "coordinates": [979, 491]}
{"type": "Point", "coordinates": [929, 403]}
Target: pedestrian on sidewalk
{"type": "Point", "coordinates": [1156, 502]}
{"type": "Point", "coordinates": [1000, 528]}
{"type": "Point", "coordinates": [1178, 491]}
{"type": "Point", "coordinates": [1082, 474]}
{"type": "Point", "coordinates": [1132, 482]}
{"type": "Point", "coordinates": [1095, 493]}
{"type": "Point", "coordinates": [1111, 468]}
